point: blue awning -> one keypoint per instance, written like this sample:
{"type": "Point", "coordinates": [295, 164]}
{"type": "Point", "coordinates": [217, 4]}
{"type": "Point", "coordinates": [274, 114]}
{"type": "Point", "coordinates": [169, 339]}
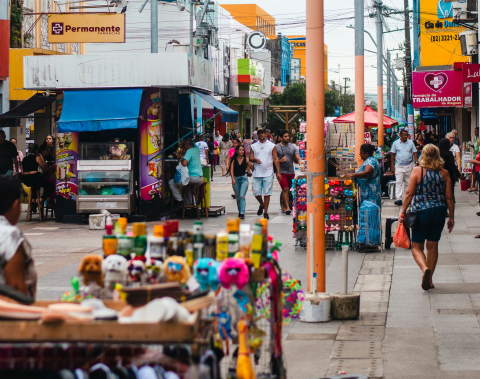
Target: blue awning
{"type": "Point", "coordinates": [228, 115]}
{"type": "Point", "coordinates": [95, 110]}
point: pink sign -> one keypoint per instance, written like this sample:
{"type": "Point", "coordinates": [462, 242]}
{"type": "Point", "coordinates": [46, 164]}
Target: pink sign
{"type": "Point", "coordinates": [471, 73]}
{"type": "Point", "coordinates": [433, 89]}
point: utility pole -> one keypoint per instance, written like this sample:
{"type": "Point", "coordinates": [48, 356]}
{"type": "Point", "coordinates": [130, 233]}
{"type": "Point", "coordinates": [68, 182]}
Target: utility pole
{"type": "Point", "coordinates": [359, 78]}
{"type": "Point", "coordinates": [154, 25]}
{"type": "Point", "coordinates": [192, 7]}
{"type": "Point", "coordinates": [345, 93]}
{"type": "Point", "coordinates": [408, 75]}
{"type": "Point", "coordinates": [389, 87]}
{"type": "Point", "coordinates": [316, 146]}
{"type": "Point", "coordinates": [379, 24]}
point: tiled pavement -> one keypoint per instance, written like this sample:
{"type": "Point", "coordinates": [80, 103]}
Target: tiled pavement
{"type": "Point", "coordinates": [403, 331]}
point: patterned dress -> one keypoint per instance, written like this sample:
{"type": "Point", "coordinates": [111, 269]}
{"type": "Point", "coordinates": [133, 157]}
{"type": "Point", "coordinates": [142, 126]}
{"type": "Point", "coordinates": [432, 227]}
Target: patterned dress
{"type": "Point", "coordinates": [370, 187]}
{"type": "Point", "coordinates": [224, 147]}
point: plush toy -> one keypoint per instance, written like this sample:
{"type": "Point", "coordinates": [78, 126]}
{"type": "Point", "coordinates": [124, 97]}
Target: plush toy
{"type": "Point", "coordinates": [136, 269]}
{"type": "Point", "coordinates": [115, 270]}
{"type": "Point", "coordinates": [154, 269]}
{"type": "Point", "coordinates": [91, 269]}
{"type": "Point", "coordinates": [233, 271]}
{"type": "Point", "coordinates": [244, 363]}
{"type": "Point", "coordinates": [206, 273]}
{"type": "Point", "coordinates": [176, 269]}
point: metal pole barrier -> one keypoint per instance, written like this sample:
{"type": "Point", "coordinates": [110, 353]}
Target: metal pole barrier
{"type": "Point", "coordinates": [345, 268]}
{"type": "Point", "coordinates": [154, 25]}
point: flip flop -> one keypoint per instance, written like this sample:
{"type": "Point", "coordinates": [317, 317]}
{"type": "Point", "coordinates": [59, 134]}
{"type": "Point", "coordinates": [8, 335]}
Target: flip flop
{"type": "Point", "coordinates": [426, 279]}
{"type": "Point", "coordinates": [288, 213]}
{"type": "Point", "coordinates": [477, 236]}
{"type": "Point", "coordinates": [471, 189]}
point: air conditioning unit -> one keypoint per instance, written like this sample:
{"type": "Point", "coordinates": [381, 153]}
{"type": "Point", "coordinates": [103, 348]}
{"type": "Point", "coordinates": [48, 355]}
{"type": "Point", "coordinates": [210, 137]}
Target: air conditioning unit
{"type": "Point", "coordinates": [460, 10]}
{"type": "Point", "coordinates": [468, 42]}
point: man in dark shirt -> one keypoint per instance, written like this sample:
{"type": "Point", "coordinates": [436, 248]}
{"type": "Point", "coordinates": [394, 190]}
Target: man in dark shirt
{"type": "Point", "coordinates": [8, 155]}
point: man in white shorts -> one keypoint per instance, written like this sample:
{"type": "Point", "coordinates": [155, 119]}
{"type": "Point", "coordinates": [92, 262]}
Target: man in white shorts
{"type": "Point", "coordinates": [263, 155]}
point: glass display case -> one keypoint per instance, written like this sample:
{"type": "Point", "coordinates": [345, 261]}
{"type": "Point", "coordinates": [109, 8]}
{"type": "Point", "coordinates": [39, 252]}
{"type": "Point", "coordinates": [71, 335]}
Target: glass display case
{"type": "Point", "coordinates": [106, 151]}
{"type": "Point", "coordinates": [105, 178]}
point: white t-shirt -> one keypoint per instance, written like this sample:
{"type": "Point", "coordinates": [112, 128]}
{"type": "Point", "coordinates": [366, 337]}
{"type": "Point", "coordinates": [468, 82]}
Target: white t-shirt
{"type": "Point", "coordinates": [454, 149]}
{"type": "Point", "coordinates": [202, 145]}
{"type": "Point", "coordinates": [263, 151]}
{"type": "Point", "coordinates": [218, 139]}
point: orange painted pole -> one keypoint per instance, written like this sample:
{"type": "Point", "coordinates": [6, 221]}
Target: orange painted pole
{"type": "Point", "coordinates": [315, 146]}
{"type": "Point", "coordinates": [359, 79]}
{"type": "Point", "coordinates": [379, 24]}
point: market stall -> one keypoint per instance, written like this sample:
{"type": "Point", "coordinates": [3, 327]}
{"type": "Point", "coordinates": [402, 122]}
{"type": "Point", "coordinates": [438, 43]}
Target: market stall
{"type": "Point", "coordinates": [209, 303]}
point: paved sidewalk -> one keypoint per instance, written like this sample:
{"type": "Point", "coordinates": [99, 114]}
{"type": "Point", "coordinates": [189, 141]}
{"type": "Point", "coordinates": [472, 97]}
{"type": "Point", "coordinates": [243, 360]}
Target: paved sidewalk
{"type": "Point", "coordinates": [403, 331]}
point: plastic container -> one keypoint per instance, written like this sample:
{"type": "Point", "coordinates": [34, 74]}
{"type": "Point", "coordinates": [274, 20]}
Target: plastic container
{"type": "Point", "coordinates": [316, 308]}
{"type": "Point", "coordinates": [464, 184]}
{"type": "Point", "coordinates": [96, 222]}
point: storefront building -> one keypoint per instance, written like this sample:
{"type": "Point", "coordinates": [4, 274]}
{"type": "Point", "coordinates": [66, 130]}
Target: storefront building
{"type": "Point", "coordinates": [145, 100]}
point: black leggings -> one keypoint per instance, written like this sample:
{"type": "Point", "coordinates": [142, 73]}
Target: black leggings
{"type": "Point", "coordinates": [38, 180]}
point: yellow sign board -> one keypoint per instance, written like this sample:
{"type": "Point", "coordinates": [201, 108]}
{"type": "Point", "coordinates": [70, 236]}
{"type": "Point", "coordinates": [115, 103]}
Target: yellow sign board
{"type": "Point", "coordinates": [85, 27]}
{"type": "Point", "coordinates": [439, 40]}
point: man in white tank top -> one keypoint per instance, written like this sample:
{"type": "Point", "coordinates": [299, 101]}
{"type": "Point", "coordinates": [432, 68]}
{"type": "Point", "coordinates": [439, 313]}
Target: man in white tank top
{"type": "Point", "coordinates": [263, 155]}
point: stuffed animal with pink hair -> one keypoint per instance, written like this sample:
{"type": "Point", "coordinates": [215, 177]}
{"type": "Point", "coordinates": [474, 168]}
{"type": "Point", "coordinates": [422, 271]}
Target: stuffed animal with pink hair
{"type": "Point", "coordinates": [233, 271]}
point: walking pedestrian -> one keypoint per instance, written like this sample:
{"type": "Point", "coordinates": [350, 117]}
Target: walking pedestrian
{"type": "Point", "coordinates": [239, 170]}
{"type": "Point", "coordinates": [454, 149]}
{"type": "Point", "coordinates": [476, 148]}
{"type": "Point", "coordinates": [456, 140]}
{"type": "Point", "coordinates": [287, 156]}
{"type": "Point", "coordinates": [225, 146]}
{"type": "Point", "coordinates": [231, 152]}
{"type": "Point", "coordinates": [8, 155]}
{"type": "Point", "coordinates": [419, 144]}
{"type": "Point", "coordinates": [476, 163]}
{"type": "Point", "coordinates": [449, 162]}
{"type": "Point", "coordinates": [431, 191]}
{"type": "Point", "coordinates": [401, 163]}
{"type": "Point", "coordinates": [218, 137]}
{"type": "Point", "coordinates": [211, 149]}
{"type": "Point", "coordinates": [264, 155]}
{"type": "Point", "coordinates": [204, 152]}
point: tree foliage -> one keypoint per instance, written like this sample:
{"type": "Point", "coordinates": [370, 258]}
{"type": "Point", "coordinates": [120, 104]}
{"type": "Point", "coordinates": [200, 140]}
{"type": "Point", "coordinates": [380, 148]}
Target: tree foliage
{"type": "Point", "coordinates": [16, 18]}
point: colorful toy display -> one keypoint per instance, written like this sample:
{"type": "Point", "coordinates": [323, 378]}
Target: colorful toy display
{"type": "Point", "coordinates": [176, 269]}
{"type": "Point", "coordinates": [233, 271]}
{"type": "Point", "coordinates": [206, 273]}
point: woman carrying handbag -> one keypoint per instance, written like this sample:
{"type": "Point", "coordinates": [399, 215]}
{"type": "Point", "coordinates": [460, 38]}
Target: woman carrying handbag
{"type": "Point", "coordinates": [431, 188]}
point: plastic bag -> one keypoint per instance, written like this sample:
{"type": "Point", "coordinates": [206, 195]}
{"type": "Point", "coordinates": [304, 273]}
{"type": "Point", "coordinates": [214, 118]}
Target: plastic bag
{"type": "Point", "coordinates": [400, 238]}
{"type": "Point", "coordinates": [182, 176]}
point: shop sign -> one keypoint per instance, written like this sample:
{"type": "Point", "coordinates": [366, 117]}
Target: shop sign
{"type": "Point", "coordinates": [471, 73]}
{"type": "Point", "coordinates": [151, 143]}
{"type": "Point", "coordinates": [439, 34]}
{"type": "Point", "coordinates": [444, 112]}
{"type": "Point", "coordinates": [368, 138]}
{"type": "Point", "coordinates": [66, 157]}
{"type": "Point", "coordinates": [466, 165]}
{"type": "Point", "coordinates": [427, 114]}
{"type": "Point", "coordinates": [86, 27]}
{"type": "Point", "coordinates": [432, 89]}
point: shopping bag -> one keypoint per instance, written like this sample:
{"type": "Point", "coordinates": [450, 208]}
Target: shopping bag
{"type": "Point", "coordinates": [400, 238]}
{"type": "Point", "coordinates": [182, 176]}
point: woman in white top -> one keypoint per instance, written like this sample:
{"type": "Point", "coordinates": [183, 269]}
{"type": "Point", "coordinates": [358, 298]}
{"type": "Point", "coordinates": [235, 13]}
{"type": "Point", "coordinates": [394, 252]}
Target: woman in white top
{"type": "Point", "coordinates": [16, 264]}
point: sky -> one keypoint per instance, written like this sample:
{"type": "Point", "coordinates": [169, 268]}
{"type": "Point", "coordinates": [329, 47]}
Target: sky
{"type": "Point", "coordinates": [290, 19]}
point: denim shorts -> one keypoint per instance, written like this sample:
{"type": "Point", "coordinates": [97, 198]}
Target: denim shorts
{"type": "Point", "coordinates": [262, 186]}
{"type": "Point", "coordinates": [430, 223]}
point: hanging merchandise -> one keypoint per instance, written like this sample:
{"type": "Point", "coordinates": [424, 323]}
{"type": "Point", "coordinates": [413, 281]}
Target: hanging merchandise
{"type": "Point", "coordinates": [233, 296]}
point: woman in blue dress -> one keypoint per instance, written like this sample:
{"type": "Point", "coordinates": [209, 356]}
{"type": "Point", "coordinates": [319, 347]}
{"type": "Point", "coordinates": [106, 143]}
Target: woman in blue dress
{"type": "Point", "coordinates": [368, 176]}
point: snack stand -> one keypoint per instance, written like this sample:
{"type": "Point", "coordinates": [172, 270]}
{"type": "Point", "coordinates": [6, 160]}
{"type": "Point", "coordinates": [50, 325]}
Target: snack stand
{"type": "Point", "coordinates": [191, 302]}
